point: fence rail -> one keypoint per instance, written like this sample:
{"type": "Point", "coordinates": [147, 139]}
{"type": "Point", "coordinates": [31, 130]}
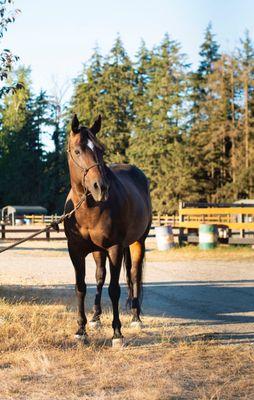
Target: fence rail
{"type": "Point", "coordinates": [236, 219]}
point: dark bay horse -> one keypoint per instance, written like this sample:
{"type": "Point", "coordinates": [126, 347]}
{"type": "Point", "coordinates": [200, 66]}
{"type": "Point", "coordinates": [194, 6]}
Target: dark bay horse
{"type": "Point", "coordinates": [112, 222]}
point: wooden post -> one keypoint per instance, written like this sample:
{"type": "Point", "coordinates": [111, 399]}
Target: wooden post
{"type": "Point", "coordinates": [159, 218]}
{"type": "Point", "coordinates": [181, 219]}
{"type": "Point", "coordinates": [242, 232]}
{"type": "Point", "coordinates": [3, 231]}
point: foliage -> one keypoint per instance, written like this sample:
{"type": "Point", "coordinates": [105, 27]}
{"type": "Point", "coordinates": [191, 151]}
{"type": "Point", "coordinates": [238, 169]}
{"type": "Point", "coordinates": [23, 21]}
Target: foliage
{"type": "Point", "coordinates": [190, 130]}
{"type": "Point", "coordinates": [7, 16]}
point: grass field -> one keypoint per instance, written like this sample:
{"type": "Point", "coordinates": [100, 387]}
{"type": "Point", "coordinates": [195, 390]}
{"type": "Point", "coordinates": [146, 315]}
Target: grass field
{"type": "Point", "coordinates": [168, 359]}
{"type": "Point", "coordinates": [190, 252]}
{"type": "Point", "coordinates": [41, 360]}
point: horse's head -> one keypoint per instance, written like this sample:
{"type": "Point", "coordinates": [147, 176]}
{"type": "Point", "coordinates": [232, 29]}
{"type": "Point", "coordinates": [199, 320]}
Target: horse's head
{"type": "Point", "coordinates": [87, 167]}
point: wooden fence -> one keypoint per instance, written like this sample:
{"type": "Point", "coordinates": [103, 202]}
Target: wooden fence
{"type": "Point", "coordinates": [236, 220]}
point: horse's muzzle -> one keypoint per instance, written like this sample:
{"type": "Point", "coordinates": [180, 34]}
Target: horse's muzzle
{"type": "Point", "coordinates": [100, 191]}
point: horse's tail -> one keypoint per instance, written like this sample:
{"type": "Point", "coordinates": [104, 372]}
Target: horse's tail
{"type": "Point", "coordinates": [127, 265]}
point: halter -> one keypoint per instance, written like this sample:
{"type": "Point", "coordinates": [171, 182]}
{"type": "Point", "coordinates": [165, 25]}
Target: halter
{"type": "Point", "coordinates": [84, 169]}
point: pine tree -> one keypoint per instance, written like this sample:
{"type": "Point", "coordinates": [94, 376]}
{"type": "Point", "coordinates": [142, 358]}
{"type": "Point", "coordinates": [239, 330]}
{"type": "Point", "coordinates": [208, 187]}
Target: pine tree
{"type": "Point", "coordinates": [246, 63]}
{"type": "Point", "coordinates": [88, 89]}
{"type": "Point", "coordinates": [106, 87]}
{"type": "Point", "coordinates": [160, 115]}
{"type": "Point", "coordinates": [21, 161]}
{"type": "Point", "coordinates": [202, 100]}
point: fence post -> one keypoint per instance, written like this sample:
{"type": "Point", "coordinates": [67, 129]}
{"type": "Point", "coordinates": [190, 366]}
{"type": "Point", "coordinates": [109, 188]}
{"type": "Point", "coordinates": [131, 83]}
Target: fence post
{"type": "Point", "coordinates": [181, 219]}
{"type": "Point", "coordinates": [242, 232]}
{"type": "Point", "coordinates": [3, 231]}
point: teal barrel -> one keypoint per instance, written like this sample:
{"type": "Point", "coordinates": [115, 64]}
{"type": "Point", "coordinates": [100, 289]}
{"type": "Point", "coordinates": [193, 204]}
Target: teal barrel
{"type": "Point", "coordinates": [208, 236]}
{"type": "Point", "coordinates": [164, 237]}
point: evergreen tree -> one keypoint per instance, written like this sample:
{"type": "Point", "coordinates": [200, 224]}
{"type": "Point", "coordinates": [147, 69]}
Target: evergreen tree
{"type": "Point", "coordinates": [202, 124]}
{"type": "Point", "coordinates": [56, 175]}
{"type": "Point", "coordinates": [21, 161]}
{"type": "Point", "coordinates": [160, 115]}
{"type": "Point", "coordinates": [246, 65]}
{"type": "Point", "coordinates": [107, 88]}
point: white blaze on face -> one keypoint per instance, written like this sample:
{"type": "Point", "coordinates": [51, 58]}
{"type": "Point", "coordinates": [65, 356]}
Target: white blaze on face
{"type": "Point", "coordinates": [90, 145]}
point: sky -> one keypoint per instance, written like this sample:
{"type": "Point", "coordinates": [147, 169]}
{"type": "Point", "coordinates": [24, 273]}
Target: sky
{"type": "Point", "coordinates": [55, 37]}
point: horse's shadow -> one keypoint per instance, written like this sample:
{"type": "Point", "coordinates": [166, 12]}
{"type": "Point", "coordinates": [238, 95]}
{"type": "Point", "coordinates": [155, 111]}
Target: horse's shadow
{"type": "Point", "coordinates": [195, 303]}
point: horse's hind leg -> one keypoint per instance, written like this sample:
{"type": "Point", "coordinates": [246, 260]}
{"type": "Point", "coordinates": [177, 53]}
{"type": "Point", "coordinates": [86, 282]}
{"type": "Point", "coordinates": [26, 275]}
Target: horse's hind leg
{"type": "Point", "coordinates": [115, 255]}
{"type": "Point", "coordinates": [100, 275]}
{"type": "Point", "coordinates": [77, 256]}
{"type": "Point", "coordinates": [137, 250]}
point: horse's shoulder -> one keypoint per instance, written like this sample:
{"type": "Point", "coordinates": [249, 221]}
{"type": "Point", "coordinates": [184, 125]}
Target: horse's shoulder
{"type": "Point", "coordinates": [125, 168]}
{"type": "Point", "coordinates": [129, 172]}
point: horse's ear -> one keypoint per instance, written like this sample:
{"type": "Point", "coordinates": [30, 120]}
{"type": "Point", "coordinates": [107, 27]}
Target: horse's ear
{"type": "Point", "coordinates": [75, 124]}
{"type": "Point", "coordinates": [96, 126]}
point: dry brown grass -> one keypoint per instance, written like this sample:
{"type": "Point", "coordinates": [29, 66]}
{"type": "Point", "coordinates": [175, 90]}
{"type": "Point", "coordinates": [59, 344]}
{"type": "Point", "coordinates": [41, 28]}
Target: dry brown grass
{"type": "Point", "coordinates": [192, 252]}
{"type": "Point", "coordinates": [39, 359]}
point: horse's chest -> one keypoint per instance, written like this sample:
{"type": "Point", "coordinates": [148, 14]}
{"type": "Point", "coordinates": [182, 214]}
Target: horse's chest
{"type": "Point", "coordinates": [99, 236]}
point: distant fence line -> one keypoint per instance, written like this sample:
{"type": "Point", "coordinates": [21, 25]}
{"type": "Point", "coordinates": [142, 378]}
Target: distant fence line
{"type": "Point", "coordinates": [231, 221]}
{"type": "Point", "coordinates": [236, 218]}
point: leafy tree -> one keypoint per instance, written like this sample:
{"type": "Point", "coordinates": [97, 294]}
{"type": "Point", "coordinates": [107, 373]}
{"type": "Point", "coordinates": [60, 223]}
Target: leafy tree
{"type": "Point", "coordinates": [7, 16]}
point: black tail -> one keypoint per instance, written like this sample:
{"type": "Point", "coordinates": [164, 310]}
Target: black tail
{"type": "Point", "coordinates": [127, 265]}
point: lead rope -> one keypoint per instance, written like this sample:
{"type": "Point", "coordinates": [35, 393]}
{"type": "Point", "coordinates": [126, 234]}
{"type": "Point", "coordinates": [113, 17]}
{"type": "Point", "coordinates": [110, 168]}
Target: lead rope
{"type": "Point", "coordinates": [54, 225]}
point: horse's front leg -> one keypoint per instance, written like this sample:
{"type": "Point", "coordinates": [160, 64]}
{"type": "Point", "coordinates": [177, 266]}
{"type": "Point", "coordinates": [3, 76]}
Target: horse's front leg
{"type": "Point", "coordinates": [115, 255]}
{"type": "Point", "coordinates": [77, 256]}
{"type": "Point", "coordinates": [100, 275]}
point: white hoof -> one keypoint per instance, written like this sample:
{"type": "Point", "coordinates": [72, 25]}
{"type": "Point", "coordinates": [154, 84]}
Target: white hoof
{"type": "Point", "coordinates": [118, 343]}
{"type": "Point", "coordinates": [136, 324]}
{"type": "Point", "coordinates": [81, 337]}
{"type": "Point", "coordinates": [95, 324]}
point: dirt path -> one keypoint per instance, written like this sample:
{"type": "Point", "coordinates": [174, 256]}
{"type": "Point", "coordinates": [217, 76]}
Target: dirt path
{"type": "Point", "coordinates": [217, 296]}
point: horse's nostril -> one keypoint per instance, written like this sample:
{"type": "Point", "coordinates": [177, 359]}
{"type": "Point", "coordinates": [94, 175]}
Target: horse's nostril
{"type": "Point", "coordinates": [95, 185]}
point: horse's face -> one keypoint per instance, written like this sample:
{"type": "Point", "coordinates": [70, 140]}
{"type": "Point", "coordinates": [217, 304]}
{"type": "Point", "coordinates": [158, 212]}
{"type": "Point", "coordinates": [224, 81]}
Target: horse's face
{"type": "Point", "coordinates": [87, 168]}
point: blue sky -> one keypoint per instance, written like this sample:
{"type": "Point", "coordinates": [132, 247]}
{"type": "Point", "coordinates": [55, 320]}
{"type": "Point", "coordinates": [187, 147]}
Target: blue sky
{"type": "Point", "coordinates": [55, 37]}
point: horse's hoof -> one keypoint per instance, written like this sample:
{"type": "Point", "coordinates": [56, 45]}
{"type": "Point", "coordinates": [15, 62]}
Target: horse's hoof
{"type": "Point", "coordinates": [118, 343]}
{"type": "Point", "coordinates": [136, 324]}
{"type": "Point", "coordinates": [95, 324]}
{"type": "Point", "coordinates": [81, 337]}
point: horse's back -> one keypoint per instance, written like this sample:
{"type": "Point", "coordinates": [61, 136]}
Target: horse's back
{"type": "Point", "coordinates": [133, 186]}
{"type": "Point", "coordinates": [128, 172]}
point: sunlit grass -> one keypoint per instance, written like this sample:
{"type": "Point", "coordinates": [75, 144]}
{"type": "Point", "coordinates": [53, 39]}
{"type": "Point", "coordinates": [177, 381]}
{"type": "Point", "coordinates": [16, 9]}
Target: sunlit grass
{"type": "Point", "coordinates": [190, 252]}
{"type": "Point", "coordinates": [40, 359]}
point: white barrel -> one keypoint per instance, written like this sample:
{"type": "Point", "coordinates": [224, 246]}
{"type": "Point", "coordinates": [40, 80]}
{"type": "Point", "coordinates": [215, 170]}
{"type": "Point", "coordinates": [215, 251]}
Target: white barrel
{"type": "Point", "coordinates": [164, 237]}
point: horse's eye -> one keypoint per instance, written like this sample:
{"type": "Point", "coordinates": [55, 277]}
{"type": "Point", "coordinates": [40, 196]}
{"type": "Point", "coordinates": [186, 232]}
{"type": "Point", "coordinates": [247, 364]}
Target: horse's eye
{"type": "Point", "coordinates": [77, 152]}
